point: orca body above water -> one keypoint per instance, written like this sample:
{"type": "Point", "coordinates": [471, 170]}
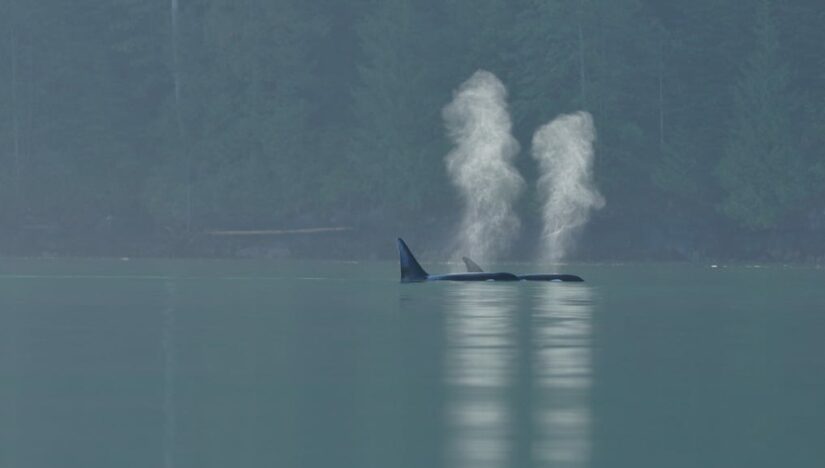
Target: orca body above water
{"type": "Point", "coordinates": [411, 271]}
{"type": "Point", "coordinates": [473, 266]}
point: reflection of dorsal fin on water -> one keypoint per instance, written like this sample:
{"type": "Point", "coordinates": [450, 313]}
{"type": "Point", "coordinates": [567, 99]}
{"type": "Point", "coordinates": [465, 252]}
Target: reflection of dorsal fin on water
{"type": "Point", "coordinates": [471, 265]}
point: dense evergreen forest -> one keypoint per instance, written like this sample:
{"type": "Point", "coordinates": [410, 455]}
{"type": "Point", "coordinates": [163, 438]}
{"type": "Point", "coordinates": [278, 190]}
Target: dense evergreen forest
{"type": "Point", "coordinates": [135, 127]}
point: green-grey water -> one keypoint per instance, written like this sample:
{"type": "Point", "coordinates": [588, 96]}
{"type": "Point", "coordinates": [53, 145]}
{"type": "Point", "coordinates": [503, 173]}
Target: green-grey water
{"type": "Point", "coordinates": [277, 364]}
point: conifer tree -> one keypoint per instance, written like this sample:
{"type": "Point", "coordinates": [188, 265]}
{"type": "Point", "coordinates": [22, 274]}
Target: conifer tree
{"type": "Point", "coordinates": [398, 144]}
{"type": "Point", "coordinates": [763, 172]}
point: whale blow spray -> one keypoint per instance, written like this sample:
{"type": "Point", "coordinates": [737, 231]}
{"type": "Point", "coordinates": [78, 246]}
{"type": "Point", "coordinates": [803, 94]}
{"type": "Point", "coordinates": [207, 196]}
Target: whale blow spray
{"type": "Point", "coordinates": [480, 166]}
{"type": "Point", "coordinates": [564, 151]}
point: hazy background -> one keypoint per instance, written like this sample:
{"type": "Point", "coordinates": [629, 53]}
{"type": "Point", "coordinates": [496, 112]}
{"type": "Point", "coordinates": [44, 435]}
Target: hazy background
{"type": "Point", "coordinates": [135, 127]}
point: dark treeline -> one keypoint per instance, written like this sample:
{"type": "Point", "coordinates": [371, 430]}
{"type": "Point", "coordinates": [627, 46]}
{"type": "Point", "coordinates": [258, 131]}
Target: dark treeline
{"type": "Point", "coordinates": [132, 127]}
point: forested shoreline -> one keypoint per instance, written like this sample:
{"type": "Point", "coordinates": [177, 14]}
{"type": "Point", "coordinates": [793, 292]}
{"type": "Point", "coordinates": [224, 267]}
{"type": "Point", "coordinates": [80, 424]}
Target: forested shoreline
{"type": "Point", "coordinates": [136, 128]}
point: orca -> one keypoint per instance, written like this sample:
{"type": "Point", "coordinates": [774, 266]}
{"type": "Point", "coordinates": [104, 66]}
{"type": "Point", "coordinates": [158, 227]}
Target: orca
{"type": "Point", "coordinates": [473, 267]}
{"type": "Point", "coordinates": [411, 271]}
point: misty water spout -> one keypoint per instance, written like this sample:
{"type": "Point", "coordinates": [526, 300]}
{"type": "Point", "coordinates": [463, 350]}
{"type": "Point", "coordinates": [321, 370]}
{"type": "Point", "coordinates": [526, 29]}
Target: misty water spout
{"type": "Point", "coordinates": [564, 150]}
{"type": "Point", "coordinates": [480, 166]}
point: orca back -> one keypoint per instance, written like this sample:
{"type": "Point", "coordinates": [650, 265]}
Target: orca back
{"type": "Point", "coordinates": [475, 276]}
{"type": "Point", "coordinates": [473, 267]}
{"type": "Point", "coordinates": [547, 277]}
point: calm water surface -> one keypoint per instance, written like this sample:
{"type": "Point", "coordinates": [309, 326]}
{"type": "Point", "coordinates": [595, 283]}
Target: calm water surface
{"type": "Point", "coordinates": [247, 364]}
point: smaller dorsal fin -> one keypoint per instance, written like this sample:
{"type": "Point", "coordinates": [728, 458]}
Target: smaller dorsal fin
{"type": "Point", "coordinates": [472, 266]}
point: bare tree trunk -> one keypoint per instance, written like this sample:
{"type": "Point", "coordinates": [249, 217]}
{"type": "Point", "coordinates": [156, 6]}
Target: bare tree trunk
{"type": "Point", "coordinates": [582, 69]}
{"type": "Point", "coordinates": [28, 148]}
{"type": "Point", "coordinates": [8, 336]}
{"type": "Point", "coordinates": [169, 412]}
{"type": "Point", "coordinates": [15, 120]}
{"type": "Point", "coordinates": [176, 78]}
{"type": "Point", "coordinates": [661, 99]}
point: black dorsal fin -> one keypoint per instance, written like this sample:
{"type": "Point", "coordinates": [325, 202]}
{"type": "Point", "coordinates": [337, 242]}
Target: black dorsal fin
{"type": "Point", "coordinates": [411, 271]}
{"type": "Point", "coordinates": [472, 266]}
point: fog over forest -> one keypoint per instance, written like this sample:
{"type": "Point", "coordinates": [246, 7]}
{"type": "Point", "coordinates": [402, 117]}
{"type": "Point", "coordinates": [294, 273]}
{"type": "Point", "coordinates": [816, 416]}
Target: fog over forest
{"type": "Point", "coordinates": [322, 128]}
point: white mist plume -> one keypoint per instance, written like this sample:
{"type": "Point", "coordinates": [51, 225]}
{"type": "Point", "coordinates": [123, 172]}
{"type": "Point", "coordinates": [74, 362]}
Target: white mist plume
{"type": "Point", "coordinates": [564, 150]}
{"type": "Point", "coordinates": [480, 166]}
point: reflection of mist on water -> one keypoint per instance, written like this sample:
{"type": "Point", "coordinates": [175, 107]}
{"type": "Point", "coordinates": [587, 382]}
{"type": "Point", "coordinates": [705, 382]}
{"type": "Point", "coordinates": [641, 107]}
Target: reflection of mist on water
{"type": "Point", "coordinates": [480, 354]}
{"type": "Point", "coordinates": [168, 342]}
{"type": "Point", "coordinates": [518, 380]}
{"type": "Point", "coordinates": [562, 339]}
